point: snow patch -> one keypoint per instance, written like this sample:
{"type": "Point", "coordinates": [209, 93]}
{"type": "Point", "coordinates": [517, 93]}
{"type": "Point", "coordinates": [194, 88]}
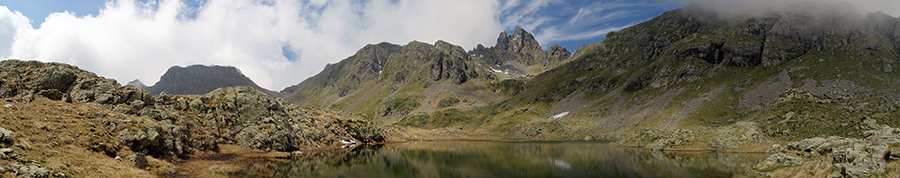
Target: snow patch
{"type": "Point", "coordinates": [495, 70]}
{"type": "Point", "coordinates": [560, 115]}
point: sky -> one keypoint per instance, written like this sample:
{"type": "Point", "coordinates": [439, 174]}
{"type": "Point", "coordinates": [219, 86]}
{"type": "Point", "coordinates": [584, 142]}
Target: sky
{"type": "Point", "coordinates": [279, 43]}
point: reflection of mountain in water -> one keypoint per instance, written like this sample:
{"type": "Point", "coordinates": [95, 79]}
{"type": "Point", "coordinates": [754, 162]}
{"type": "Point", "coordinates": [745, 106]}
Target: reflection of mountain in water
{"type": "Point", "coordinates": [504, 159]}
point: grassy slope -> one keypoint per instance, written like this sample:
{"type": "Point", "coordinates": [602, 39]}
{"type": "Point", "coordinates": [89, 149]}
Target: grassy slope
{"type": "Point", "coordinates": [861, 67]}
{"type": "Point", "coordinates": [74, 147]}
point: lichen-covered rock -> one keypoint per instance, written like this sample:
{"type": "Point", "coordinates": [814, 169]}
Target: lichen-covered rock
{"type": "Point", "coordinates": [32, 171]}
{"type": "Point", "coordinates": [138, 159]}
{"type": "Point", "coordinates": [659, 145]}
{"type": "Point", "coordinates": [7, 136]}
{"type": "Point", "coordinates": [808, 145]}
{"type": "Point", "coordinates": [736, 135]}
{"type": "Point", "coordinates": [780, 159]}
{"type": "Point", "coordinates": [856, 163]}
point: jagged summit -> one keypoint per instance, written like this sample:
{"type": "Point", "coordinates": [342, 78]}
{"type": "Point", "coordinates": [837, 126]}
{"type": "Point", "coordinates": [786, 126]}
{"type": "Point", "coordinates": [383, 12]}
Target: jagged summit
{"type": "Point", "coordinates": [519, 41]}
{"type": "Point", "coordinates": [521, 54]}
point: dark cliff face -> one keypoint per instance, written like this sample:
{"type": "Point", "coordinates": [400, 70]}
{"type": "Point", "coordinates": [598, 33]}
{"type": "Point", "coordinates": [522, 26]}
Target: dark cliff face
{"type": "Point", "coordinates": [200, 79]}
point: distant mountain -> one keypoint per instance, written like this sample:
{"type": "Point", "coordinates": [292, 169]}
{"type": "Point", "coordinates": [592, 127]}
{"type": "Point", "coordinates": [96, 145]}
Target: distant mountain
{"type": "Point", "coordinates": [520, 53]}
{"type": "Point", "coordinates": [199, 79]}
{"type": "Point", "coordinates": [389, 81]}
{"type": "Point", "coordinates": [137, 84]}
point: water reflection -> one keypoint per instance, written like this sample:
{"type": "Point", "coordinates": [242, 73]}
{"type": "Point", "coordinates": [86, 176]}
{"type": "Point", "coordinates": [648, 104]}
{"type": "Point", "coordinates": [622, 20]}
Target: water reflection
{"type": "Point", "coordinates": [503, 159]}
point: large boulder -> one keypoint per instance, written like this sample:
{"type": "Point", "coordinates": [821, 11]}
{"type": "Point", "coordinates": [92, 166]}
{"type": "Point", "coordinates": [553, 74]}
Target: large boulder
{"type": "Point", "coordinates": [7, 136]}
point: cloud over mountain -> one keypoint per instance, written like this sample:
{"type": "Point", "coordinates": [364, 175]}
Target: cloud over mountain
{"type": "Point", "coordinates": [130, 39]}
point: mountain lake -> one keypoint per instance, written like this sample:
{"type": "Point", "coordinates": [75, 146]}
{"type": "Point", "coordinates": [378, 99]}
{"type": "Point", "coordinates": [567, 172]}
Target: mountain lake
{"type": "Point", "coordinates": [502, 159]}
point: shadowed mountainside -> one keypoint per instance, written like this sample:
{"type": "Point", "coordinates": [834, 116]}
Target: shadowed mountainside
{"type": "Point", "coordinates": [198, 80]}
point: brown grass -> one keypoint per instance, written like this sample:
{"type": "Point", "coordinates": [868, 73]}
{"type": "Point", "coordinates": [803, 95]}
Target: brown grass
{"type": "Point", "coordinates": [59, 137]}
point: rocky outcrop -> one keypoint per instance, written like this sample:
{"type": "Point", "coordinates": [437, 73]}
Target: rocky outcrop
{"type": "Point", "coordinates": [851, 157]}
{"type": "Point", "coordinates": [779, 160]}
{"type": "Point", "coordinates": [184, 124]}
{"type": "Point", "coordinates": [450, 62]}
{"type": "Point", "coordinates": [736, 135]}
{"type": "Point", "coordinates": [519, 42]}
{"type": "Point", "coordinates": [7, 136]}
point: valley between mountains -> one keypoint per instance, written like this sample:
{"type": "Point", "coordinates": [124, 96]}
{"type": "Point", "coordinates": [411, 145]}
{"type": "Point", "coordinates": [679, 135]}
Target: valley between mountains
{"type": "Point", "coordinates": [812, 86]}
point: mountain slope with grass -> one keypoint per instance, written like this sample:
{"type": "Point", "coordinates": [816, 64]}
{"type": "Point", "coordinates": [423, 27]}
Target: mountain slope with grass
{"type": "Point", "coordinates": [388, 82]}
{"type": "Point", "coordinates": [689, 79]}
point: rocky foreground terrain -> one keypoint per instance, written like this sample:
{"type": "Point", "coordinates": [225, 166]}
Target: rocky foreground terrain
{"type": "Point", "coordinates": [810, 84]}
{"type": "Point", "coordinates": [58, 120]}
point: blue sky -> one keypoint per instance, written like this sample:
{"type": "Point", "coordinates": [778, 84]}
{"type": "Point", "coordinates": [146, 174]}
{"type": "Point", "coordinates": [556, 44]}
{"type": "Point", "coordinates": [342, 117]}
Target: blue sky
{"type": "Point", "coordinates": [279, 43]}
{"type": "Point", "coordinates": [580, 16]}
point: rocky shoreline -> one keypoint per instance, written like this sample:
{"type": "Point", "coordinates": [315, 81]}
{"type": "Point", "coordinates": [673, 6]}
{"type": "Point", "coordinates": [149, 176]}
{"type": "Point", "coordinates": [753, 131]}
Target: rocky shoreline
{"type": "Point", "coordinates": [832, 156]}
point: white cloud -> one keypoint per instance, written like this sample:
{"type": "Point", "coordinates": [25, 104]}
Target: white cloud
{"type": "Point", "coordinates": [133, 40]}
{"type": "Point", "coordinates": [890, 7]}
{"type": "Point", "coordinates": [11, 24]}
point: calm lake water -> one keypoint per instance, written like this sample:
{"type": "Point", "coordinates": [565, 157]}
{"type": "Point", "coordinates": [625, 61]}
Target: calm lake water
{"type": "Point", "coordinates": [503, 159]}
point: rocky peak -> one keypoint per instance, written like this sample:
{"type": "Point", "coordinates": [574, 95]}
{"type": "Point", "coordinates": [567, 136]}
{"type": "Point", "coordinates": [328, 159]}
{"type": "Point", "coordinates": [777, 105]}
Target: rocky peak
{"type": "Point", "coordinates": [519, 41]}
{"type": "Point", "coordinates": [200, 79]}
{"type": "Point", "coordinates": [137, 84]}
{"type": "Point", "coordinates": [557, 50]}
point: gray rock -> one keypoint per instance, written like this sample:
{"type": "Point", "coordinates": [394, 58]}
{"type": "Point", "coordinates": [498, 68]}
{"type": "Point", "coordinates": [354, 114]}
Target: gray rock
{"type": "Point", "coordinates": [659, 145]}
{"type": "Point", "coordinates": [7, 106]}
{"type": "Point", "coordinates": [894, 154]}
{"type": "Point", "coordinates": [807, 145]}
{"type": "Point", "coordinates": [736, 135]}
{"type": "Point", "coordinates": [780, 159]}
{"type": "Point", "coordinates": [138, 159]}
{"type": "Point", "coordinates": [32, 171]}
{"type": "Point", "coordinates": [856, 163]}
{"type": "Point", "coordinates": [776, 148]}
{"type": "Point", "coordinates": [6, 151]}
{"type": "Point", "coordinates": [57, 77]}
{"type": "Point", "coordinates": [870, 124]}
{"type": "Point", "coordinates": [7, 136]}
{"type": "Point", "coordinates": [52, 94]}
{"type": "Point", "coordinates": [197, 106]}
